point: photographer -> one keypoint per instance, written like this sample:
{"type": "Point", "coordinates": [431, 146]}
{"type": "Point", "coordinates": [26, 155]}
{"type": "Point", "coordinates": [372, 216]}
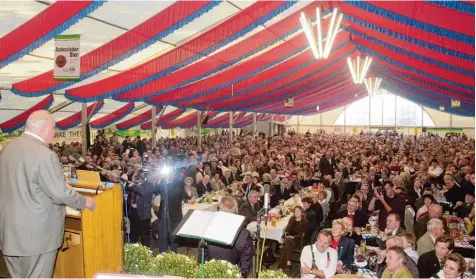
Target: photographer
{"type": "Point", "coordinates": [139, 204]}
{"type": "Point", "coordinates": [387, 203]}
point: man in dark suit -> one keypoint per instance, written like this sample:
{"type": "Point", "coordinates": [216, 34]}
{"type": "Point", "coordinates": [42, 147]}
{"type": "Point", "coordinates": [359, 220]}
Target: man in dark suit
{"type": "Point", "coordinates": [171, 192]}
{"type": "Point", "coordinates": [250, 208]}
{"type": "Point", "coordinates": [283, 192]}
{"type": "Point", "coordinates": [327, 164]}
{"type": "Point", "coordinates": [431, 262]}
{"type": "Point", "coordinates": [204, 186]}
{"type": "Point", "coordinates": [359, 217]}
{"type": "Point", "coordinates": [392, 229]}
{"type": "Point", "coordinates": [454, 194]}
{"type": "Point", "coordinates": [139, 202]}
{"type": "Point", "coordinates": [140, 146]}
{"type": "Point", "coordinates": [241, 253]}
{"type": "Point", "coordinates": [310, 217]}
{"type": "Point", "coordinates": [227, 179]}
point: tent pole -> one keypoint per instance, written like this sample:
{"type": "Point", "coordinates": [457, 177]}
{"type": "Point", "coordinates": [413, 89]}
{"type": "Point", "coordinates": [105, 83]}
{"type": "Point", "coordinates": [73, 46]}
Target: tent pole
{"type": "Point", "coordinates": [254, 124]}
{"type": "Point", "coordinates": [84, 128]}
{"type": "Point", "coordinates": [230, 136]}
{"type": "Point", "coordinates": [199, 130]}
{"type": "Point", "coordinates": [154, 128]}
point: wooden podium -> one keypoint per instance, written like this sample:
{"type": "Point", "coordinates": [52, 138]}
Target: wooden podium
{"type": "Point", "coordinates": [93, 241]}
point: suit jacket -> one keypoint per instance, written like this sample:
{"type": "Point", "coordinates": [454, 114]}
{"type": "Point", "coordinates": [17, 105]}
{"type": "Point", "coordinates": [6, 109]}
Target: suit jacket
{"type": "Point", "coordinates": [227, 181]}
{"type": "Point", "coordinates": [144, 194]}
{"type": "Point", "coordinates": [341, 191]}
{"type": "Point", "coordinates": [326, 167]}
{"type": "Point", "coordinates": [283, 194]}
{"type": "Point", "coordinates": [428, 264]}
{"type": "Point", "coordinates": [202, 188]}
{"type": "Point", "coordinates": [425, 244]}
{"type": "Point", "coordinates": [345, 251]}
{"type": "Point", "coordinates": [360, 218]}
{"type": "Point", "coordinates": [33, 195]}
{"type": "Point", "coordinates": [250, 212]}
{"type": "Point", "coordinates": [241, 253]}
{"type": "Point", "coordinates": [319, 211]}
{"type": "Point", "coordinates": [171, 196]}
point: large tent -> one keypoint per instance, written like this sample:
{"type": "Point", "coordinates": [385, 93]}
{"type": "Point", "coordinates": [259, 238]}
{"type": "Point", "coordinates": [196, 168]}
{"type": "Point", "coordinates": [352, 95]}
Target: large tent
{"type": "Point", "coordinates": [213, 57]}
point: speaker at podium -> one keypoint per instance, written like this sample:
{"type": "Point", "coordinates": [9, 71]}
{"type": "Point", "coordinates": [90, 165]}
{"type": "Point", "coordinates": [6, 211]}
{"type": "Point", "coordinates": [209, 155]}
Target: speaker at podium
{"type": "Point", "coordinates": [93, 241]}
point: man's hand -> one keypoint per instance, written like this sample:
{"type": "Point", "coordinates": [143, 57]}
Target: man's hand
{"type": "Point", "coordinates": [305, 269]}
{"type": "Point", "coordinates": [387, 231]}
{"type": "Point", "coordinates": [358, 231]}
{"type": "Point", "coordinates": [90, 203]}
{"type": "Point", "coordinates": [459, 203]}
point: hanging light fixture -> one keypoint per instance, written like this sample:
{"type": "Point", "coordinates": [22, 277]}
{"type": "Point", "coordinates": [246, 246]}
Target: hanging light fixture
{"type": "Point", "coordinates": [373, 85]}
{"type": "Point", "coordinates": [358, 68]}
{"type": "Point", "coordinates": [319, 50]}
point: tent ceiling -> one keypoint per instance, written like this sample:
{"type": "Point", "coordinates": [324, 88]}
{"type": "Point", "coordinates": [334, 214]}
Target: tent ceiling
{"type": "Point", "coordinates": [420, 58]}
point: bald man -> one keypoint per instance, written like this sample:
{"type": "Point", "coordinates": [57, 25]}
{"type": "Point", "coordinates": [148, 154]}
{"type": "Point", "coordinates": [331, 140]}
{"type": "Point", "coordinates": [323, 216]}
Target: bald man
{"type": "Point", "coordinates": [33, 195]}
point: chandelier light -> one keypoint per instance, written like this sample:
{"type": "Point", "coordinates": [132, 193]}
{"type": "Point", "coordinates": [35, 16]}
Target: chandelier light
{"type": "Point", "coordinates": [359, 68]}
{"type": "Point", "coordinates": [320, 50]}
{"type": "Point", "coordinates": [373, 85]}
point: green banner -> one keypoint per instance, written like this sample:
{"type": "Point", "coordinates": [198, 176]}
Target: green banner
{"type": "Point", "coordinates": [443, 130]}
{"type": "Point", "coordinates": [128, 133]}
{"type": "Point", "coordinates": [206, 131]}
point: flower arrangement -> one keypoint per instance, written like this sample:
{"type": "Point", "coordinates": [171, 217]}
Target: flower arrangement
{"type": "Point", "coordinates": [221, 269]}
{"type": "Point", "coordinates": [174, 265]}
{"type": "Point", "coordinates": [137, 259]}
{"type": "Point", "coordinates": [272, 274]}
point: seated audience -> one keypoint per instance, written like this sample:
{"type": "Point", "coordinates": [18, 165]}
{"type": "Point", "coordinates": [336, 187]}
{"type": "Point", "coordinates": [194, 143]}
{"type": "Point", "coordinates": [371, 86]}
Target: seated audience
{"type": "Point", "coordinates": [310, 217]}
{"type": "Point", "coordinates": [392, 229]}
{"type": "Point", "coordinates": [250, 207]}
{"type": "Point", "coordinates": [428, 200]}
{"type": "Point", "coordinates": [190, 194]}
{"type": "Point", "coordinates": [342, 244]}
{"type": "Point", "coordinates": [319, 208]}
{"type": "Point", "coordinates": [294, 237]}
{"type": "Point", "coordinates": [359, 218]}
{"type": "Point", "coordinates": [426, 243]}
{"type": "Point", "coordinates": [319, 259]}
{"type": "Point", "coordinates": [431, 262]}
{"type": "Point", "coordinates": [396, 264]}
{"type": "Point", "coordinates": [453, 267]}
{"type": "Point", "coordinates": [435, 212]}
{"type": "Point", "coordinates": [391, 242]}
{"type": "Point", "coordinates": [409, 244]}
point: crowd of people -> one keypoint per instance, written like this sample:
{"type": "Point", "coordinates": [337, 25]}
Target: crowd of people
{"type": "Point", "coordinates": [407, 182]}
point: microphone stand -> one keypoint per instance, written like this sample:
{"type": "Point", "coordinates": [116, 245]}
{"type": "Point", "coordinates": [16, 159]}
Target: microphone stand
{"type": "Point", "coordinates": [256, 248]}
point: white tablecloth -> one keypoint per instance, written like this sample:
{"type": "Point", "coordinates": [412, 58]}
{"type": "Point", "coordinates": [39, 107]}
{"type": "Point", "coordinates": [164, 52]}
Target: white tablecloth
{"type": "Point", "coordinates": [274, 233]}
{"type": "Point", "coordinates": [200, 206]}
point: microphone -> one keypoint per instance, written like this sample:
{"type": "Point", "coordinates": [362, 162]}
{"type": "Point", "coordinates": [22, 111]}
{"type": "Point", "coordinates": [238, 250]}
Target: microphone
{"type": "Point", "coordinates": [266, 203]}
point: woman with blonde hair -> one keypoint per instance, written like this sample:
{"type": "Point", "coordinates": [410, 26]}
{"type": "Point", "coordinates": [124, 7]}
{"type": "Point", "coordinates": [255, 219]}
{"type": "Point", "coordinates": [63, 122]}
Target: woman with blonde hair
{"type": "Point", "coordinates": [454, 266]}
{"type": "Point", "coordinates": [342, 244]}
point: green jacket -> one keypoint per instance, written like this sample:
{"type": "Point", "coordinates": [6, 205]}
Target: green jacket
{"type": "Point", "coordinates": [402, 273]}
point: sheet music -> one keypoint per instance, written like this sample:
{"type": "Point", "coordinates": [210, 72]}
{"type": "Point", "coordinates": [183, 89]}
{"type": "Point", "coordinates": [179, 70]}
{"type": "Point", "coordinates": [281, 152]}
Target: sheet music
{"type": "Point", "coordinates": [223, 227]}
{"type": "Point", "coordinates": [196, 224]}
